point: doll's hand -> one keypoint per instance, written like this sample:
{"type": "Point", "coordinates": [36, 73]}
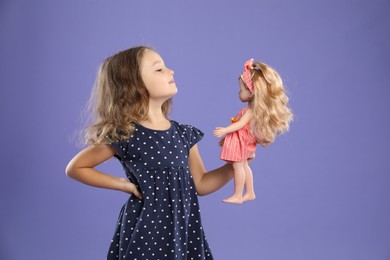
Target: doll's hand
{"type": "Point", "coordinates": [250, 159]}
{"type": "Point", "coordinates": [130, 188]}
{"type": "Point", "coordinates": [219, 131]}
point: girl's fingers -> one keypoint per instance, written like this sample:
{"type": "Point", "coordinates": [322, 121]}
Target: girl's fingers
{"type": "Point", "coordinates": [137, 193]}
{"type": "Point", "coordinates": [130, 188]}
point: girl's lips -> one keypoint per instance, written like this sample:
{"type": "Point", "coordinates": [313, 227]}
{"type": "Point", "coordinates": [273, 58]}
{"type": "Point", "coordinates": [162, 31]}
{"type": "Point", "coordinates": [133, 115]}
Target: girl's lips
{"type": "Point", "coordinates": [172, 81]}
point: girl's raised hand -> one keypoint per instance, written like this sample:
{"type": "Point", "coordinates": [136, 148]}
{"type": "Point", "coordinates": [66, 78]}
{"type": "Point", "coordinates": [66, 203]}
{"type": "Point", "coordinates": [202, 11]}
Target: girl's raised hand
{"type": "Point", "coordinates": [130, 188]}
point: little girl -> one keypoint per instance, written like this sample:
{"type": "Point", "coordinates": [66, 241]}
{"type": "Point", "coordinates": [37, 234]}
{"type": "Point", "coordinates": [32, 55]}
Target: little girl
{"type": "Point", "coordinates": [165, 172]}
{"type": "Point", "coordinates": [265, 117]}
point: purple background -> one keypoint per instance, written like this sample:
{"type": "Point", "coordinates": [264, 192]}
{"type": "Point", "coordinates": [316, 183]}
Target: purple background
{"type": "Point", "coordinates": [323, 189]}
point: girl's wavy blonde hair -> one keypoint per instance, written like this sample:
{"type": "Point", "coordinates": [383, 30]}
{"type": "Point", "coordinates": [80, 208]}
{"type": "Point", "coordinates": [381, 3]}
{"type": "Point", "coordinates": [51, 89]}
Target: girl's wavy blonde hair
{"type": "Point", "coordinates": [119, 98]}
{"type": "Point", "coordinates": [271, 116]}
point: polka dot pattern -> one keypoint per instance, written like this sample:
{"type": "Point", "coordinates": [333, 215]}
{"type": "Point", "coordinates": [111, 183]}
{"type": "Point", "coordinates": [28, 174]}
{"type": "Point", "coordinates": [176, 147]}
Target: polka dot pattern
{"type": "Point", "coordinates": [166, 223]}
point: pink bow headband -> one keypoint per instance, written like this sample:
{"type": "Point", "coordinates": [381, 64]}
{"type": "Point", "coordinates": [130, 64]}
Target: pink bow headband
{"type": "Point", "coordinates": [246, 75]}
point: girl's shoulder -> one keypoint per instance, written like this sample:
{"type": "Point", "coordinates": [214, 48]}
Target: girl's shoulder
{"type": "Point", "coordinates": [191, 133]}
{"type": "Point", "coordinates": [179, 125]}
{"type": "Point", "coordinates": [185, 128]}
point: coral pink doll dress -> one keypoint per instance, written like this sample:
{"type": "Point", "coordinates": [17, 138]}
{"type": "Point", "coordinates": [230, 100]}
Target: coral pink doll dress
{"type": "Point", "coordinates": [238, 146]}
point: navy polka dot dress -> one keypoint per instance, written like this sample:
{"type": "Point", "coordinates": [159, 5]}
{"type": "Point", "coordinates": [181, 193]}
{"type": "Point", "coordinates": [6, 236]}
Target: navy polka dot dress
{"type": "Point", "coordinates": [166, 223]}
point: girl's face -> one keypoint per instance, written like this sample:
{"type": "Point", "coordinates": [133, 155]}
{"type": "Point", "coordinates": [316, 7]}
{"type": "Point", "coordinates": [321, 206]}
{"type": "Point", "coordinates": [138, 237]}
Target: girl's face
{"type": "Point", "coordinates": [245, 94]}
{"type": "Point", "coordinates": [157, 77]}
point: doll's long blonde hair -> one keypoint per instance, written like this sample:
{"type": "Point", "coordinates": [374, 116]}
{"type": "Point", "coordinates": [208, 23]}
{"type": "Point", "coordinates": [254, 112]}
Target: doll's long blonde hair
{"type": "Point", "coordinates": [271, 116]}
{"type": "Point", "coordinates": [119, 98]}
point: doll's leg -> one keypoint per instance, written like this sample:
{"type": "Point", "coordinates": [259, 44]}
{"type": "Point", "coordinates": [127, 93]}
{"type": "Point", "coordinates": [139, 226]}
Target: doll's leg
{"type": "Point", "coordinates": [249, 189]}
{"type": "Point", "coordinates": [239, 181]}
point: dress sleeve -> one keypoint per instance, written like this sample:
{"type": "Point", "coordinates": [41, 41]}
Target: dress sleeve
{"type": "Point", "coordinates": [194, 135]}
{"type": "Point", "coordinates": [120, 148]}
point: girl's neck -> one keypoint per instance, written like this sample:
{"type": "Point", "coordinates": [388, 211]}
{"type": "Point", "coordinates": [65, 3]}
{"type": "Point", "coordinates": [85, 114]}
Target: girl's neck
{"type": "Point", "coordinates": [156, 119]}
{"type": "Point", "coordinates": [156, 123]}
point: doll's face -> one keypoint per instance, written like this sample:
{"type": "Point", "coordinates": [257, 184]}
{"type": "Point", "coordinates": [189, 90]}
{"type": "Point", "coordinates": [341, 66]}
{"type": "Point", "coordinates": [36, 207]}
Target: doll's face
{"type": "Point", "coordinates": [245, 94]}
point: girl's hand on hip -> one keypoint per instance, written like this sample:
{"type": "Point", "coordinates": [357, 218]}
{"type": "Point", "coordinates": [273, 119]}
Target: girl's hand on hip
{"type": "Point", "coordinates": [130, 188]}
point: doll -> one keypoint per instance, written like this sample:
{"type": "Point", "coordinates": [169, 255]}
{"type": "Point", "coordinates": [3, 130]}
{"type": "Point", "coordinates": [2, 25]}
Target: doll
{"type": "Point", "coordinates": [265, 117]}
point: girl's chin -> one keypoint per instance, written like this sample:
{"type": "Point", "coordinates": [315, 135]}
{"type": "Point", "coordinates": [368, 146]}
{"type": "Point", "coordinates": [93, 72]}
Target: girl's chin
{"type": "Point", "coordinates": [172, 94]}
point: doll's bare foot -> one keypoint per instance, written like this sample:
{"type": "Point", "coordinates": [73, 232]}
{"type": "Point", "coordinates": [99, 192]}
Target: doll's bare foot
{"type": "Point", "coordinates": [248, 196]}
{"type": "Point", "coordinates": [233, 199]}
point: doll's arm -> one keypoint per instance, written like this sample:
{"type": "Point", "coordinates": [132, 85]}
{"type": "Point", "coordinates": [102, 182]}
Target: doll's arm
{"type": "Point", "coordinates": [208, 182]}
{"type": "Point", "coordinates": [81, 168]}
{"type": "Point", "coordinates": [221, 131]}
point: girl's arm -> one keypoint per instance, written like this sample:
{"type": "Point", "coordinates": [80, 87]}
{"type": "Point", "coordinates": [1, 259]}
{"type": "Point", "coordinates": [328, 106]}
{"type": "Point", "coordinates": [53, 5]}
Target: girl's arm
{"type": "Point", "coordinates": [246, 117]}
{"type": "Point", "coordinates": [208, 182]}
{"type": "Point", "coordinates": [81, 168]}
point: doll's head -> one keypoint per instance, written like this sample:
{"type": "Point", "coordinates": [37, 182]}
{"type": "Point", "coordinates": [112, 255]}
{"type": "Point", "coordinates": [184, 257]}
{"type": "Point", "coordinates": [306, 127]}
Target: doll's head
{"type": "Point", "coordinates": [119, 97]}
{"type": "Point", "coordinates": [271, 116]}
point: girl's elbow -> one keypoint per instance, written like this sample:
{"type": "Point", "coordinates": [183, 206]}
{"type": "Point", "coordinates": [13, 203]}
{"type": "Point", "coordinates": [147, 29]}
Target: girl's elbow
{"type": "Point", "coordinates": [201, 192]}
{"type": "Point", "coordinates": [201, 188]}
{"type": "Point", "coordinates": [69, 170]}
